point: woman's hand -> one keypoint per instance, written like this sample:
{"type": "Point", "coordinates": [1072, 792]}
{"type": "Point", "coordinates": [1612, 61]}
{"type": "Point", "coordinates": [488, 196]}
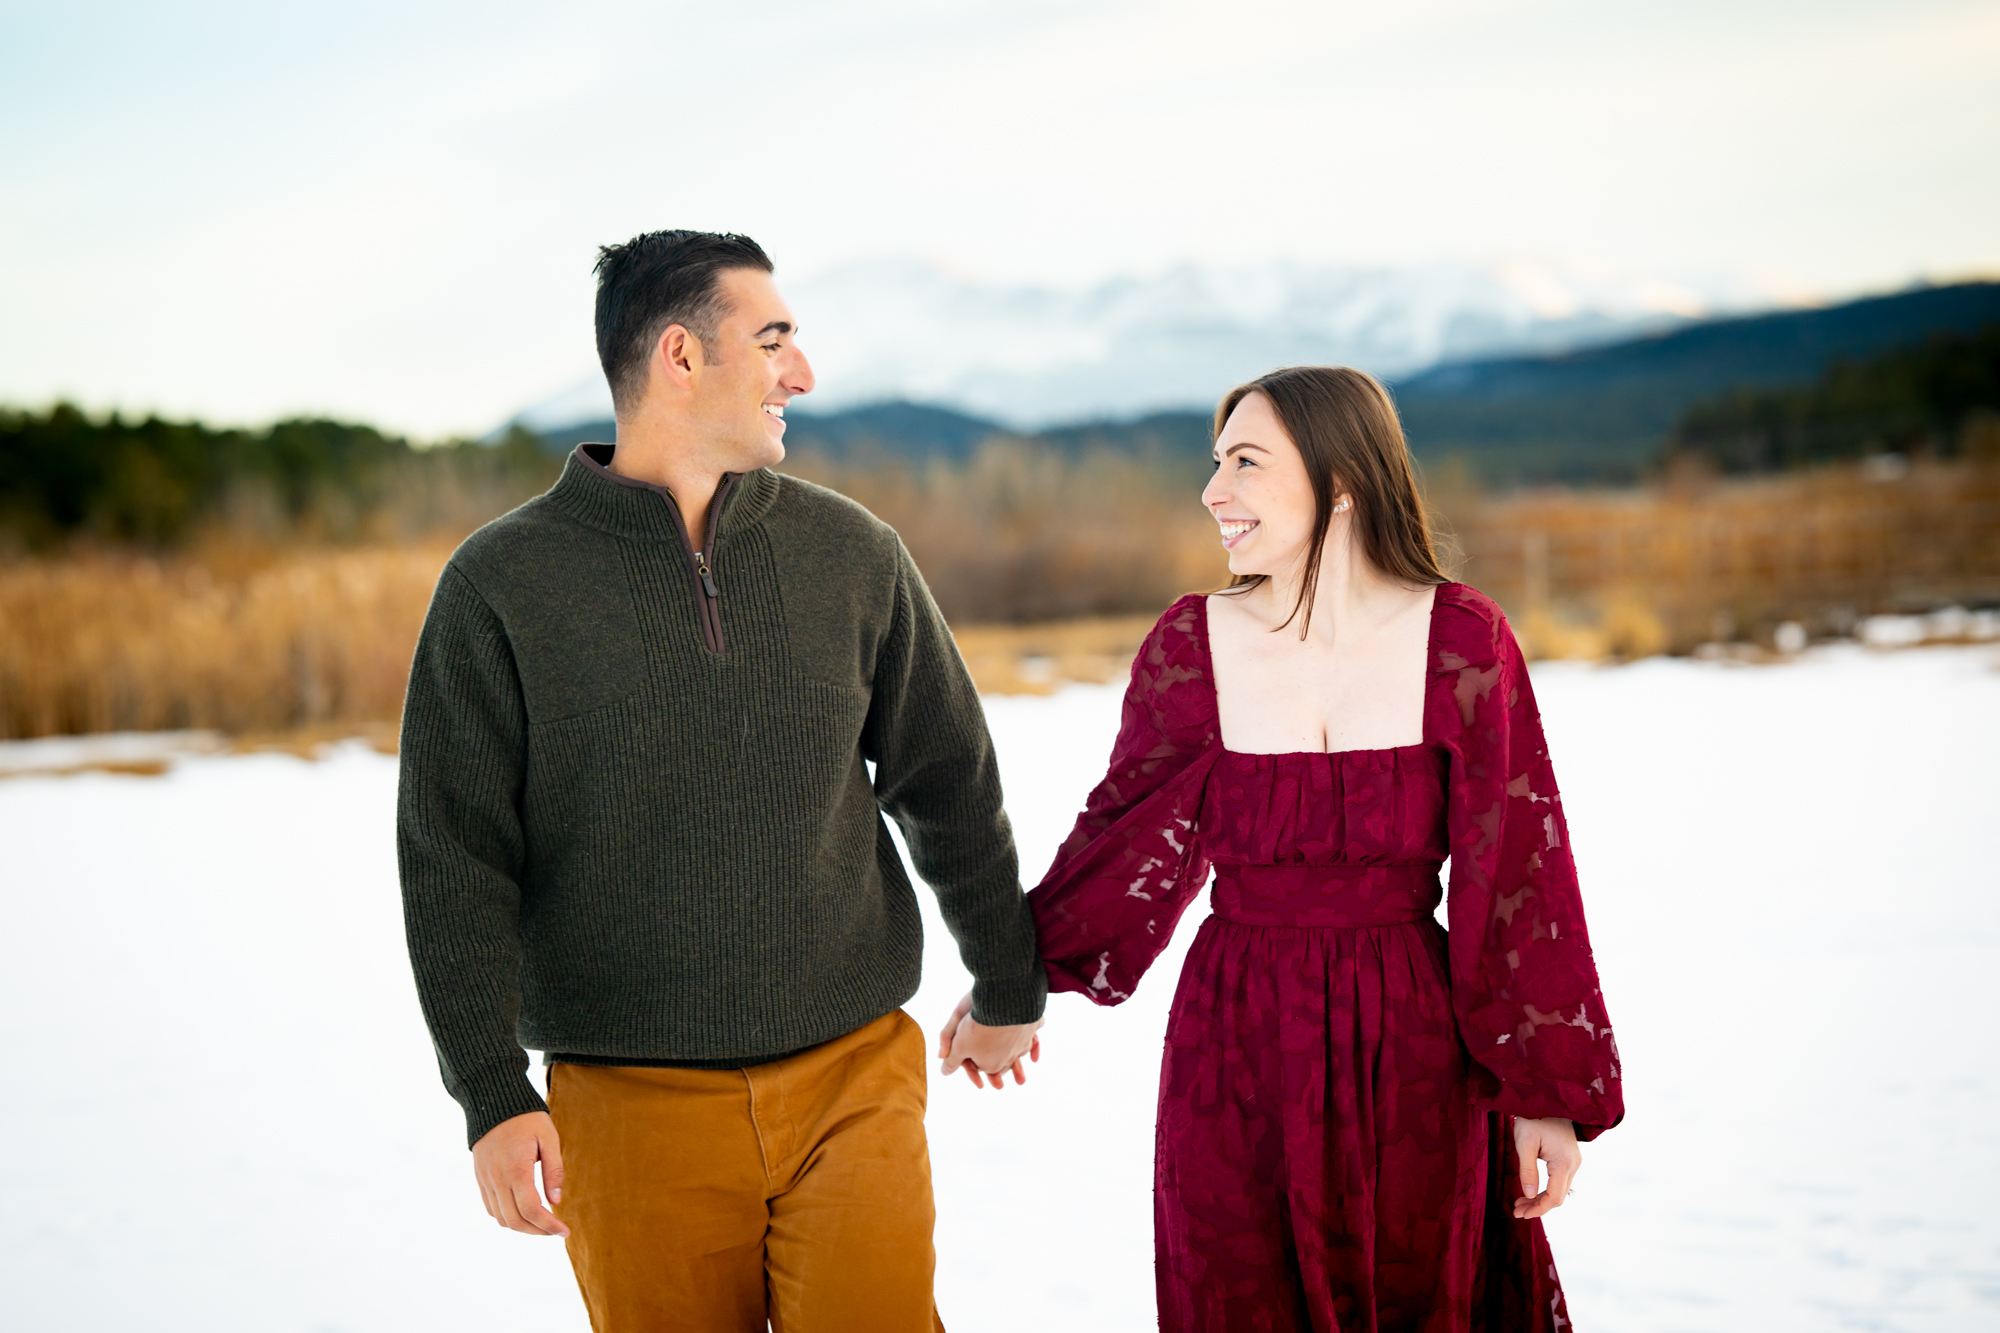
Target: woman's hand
{"type": "Point", "coordinates": [1551, 1141]}
{"type": "Point", "coordinates": [965, 1043]}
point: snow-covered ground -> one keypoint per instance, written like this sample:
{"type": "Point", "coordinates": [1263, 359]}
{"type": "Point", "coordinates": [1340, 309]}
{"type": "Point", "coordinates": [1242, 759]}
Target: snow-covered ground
{"type": "Point", "coordinates": [223, 1113]}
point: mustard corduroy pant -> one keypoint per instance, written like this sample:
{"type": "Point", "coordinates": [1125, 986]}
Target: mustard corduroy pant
{"type": "Point", "coordinates": [797, 1192]}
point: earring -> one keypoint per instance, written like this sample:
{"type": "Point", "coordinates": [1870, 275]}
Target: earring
{"type": "Point", "coordinates": [1340, 506]}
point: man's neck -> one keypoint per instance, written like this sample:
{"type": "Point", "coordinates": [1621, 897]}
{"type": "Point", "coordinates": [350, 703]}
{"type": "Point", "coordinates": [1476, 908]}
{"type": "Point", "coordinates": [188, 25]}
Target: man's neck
{"type": "Point", "coordinates": [655, 453]}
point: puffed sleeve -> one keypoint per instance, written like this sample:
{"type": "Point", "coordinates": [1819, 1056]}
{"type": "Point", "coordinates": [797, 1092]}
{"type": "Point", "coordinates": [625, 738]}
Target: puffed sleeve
{"type": "Point", "coordinates": [1524, 983]}
{"type": "Point", "coordinates": [1133, 862]}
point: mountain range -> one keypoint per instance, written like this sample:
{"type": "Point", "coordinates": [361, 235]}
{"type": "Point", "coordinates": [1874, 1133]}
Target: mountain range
{"type": "Point", "coordinates": [1596, 412]}
{"type": "Point", "coordinates": [1603, 413]}
{"type": "Point", "coordinates": [1029, 357]}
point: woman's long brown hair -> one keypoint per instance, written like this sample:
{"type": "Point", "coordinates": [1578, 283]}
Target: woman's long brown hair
{"type": "Point", "coordinates": [1347, 431]}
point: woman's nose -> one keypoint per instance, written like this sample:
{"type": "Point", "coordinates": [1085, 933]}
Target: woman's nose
{"type": "Point", "coordinates": [1216, 492]}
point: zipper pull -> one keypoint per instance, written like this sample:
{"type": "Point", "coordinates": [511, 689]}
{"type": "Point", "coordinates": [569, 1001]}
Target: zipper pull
{"type": "Point", "coordinates": [707, 579]}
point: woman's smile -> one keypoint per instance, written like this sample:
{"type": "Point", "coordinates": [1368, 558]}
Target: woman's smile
{"type": "Point", "coordinates": [1235, 530]}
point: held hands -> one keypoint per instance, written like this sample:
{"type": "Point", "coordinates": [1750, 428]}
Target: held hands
{"type": "Point", "coordinates": [1551, 1141]}
{"type": "Point", "coordinates": [965, 1043]}
{"type": "Point", "coordinates": [503, 1161]}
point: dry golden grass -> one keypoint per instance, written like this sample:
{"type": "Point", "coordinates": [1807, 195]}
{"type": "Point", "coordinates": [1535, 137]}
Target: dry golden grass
{"type": "Point", "coordinates": [1051, 569]}
{"type": "Point", "coordinates": [1593, 574]}
{"type": "Point", "coordinates": [233, 640]}
{"type": "Point", "coordinates": [1036, 659]}
{"type": "Point", "coordinates": [1025, 535]}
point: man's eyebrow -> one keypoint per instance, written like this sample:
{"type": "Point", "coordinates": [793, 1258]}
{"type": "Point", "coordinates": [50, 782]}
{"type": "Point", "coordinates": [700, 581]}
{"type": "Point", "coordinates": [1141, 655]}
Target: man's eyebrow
{"type": "Point", "coordinates": [775, 326]}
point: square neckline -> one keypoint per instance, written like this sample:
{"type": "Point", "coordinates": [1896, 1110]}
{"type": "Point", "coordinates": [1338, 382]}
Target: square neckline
{"type": "Point", "coordinates": [1215, 697]}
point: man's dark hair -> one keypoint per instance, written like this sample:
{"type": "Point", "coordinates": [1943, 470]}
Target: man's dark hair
{"type": "Point", "coordinates": [656, 280]}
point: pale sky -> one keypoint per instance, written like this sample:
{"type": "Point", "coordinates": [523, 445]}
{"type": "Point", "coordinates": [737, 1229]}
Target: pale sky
{"type": "Point", "coordinates": [389, 211]}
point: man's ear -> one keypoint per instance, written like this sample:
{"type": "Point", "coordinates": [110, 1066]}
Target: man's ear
{"type": "Point", "coordinates": [678, 356]}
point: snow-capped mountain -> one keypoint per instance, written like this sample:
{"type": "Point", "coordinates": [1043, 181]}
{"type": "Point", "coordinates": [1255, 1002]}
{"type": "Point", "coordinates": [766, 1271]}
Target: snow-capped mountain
{"type": "Point", "coordinates": [1031, 356]}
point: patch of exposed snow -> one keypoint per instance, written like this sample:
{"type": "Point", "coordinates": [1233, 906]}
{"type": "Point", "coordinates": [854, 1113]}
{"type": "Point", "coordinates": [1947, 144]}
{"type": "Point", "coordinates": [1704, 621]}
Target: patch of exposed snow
{"type": "Point", "coordinates": [62, 754]}
{"type": "Point", "coordinates": [1952, 624]}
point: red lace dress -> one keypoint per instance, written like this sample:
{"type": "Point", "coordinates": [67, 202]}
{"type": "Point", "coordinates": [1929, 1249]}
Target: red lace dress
{"type": "Point", "coordinates": [1334, 1149]}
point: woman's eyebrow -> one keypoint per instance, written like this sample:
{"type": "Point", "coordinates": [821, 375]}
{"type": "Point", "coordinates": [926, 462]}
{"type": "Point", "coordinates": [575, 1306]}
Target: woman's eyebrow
{"type": "Point", "coordinates": [1246, 444]}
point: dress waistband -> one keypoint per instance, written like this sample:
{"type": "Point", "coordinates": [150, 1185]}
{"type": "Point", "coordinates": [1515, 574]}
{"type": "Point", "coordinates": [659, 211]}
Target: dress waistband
{"type": "Point", "coordinates": [1330, 896]}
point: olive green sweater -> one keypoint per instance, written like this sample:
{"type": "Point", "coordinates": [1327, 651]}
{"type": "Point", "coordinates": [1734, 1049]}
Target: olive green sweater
{"type": "Point", "coordinates": [636, 821]}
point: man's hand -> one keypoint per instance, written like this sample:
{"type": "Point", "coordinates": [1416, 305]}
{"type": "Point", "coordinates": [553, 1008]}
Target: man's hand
{"type": "Point", "coordinates": [1551, 1141]}
{"type": "Point", "coordinates": [965, 1043]}
{"type": "Point", "coordinates": [503, 1161]}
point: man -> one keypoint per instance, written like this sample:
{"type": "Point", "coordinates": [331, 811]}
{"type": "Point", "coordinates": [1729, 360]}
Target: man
{"type": "Point", "coordinates": [638, 833]}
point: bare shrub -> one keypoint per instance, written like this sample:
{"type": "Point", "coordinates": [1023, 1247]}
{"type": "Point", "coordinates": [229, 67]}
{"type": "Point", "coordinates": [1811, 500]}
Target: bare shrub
{"type": "Point", "coordinates": [227, 639]}
{"type": "Point", "coordinates": [1023, 533]}
{"type": "Point", "coordinates": [1696, 559]}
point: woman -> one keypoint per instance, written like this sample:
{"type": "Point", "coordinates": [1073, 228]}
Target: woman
{"type": "Point", "coordinates": [1345, 1090]}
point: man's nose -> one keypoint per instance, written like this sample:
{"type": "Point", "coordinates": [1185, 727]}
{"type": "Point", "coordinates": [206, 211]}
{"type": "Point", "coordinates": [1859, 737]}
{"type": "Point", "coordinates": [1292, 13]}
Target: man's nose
{"type": "Point", "coordinates": [798, 376]}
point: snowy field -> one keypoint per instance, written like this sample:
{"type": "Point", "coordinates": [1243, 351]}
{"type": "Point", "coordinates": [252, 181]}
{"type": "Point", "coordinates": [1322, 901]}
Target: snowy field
{"type": "Point", "coordinates": [223, 1112]}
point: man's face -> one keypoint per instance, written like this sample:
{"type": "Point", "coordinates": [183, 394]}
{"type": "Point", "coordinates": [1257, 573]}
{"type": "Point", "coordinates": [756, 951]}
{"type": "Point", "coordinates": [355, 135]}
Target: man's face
{"type": "Point", "coordinates": [749, 373]}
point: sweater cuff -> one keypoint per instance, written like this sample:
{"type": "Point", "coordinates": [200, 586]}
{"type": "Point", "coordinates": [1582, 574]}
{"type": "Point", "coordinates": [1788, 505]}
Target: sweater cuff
{"type": "Point", "coordinates": [495, 1094]}
{"type": "Point", "coordinates": [999, 1002]}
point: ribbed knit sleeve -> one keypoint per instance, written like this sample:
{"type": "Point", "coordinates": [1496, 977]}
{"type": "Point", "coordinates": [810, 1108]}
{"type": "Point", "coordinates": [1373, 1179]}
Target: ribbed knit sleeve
{"type": "Point", "coordinates": [937, 776]}
{"type": "Point", "coordinates": [460, 848]}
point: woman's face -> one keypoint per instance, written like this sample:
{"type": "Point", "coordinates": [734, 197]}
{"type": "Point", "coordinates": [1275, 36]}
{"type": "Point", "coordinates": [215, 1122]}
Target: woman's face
{"type": "Point", "coordinates": [1260, 494]}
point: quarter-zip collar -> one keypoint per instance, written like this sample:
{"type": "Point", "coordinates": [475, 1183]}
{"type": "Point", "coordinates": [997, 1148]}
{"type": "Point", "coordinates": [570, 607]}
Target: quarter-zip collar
{"type": "Point", "coordinates": [590, 492]}
{"type": "Point", "coordinates": [700, 548]}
